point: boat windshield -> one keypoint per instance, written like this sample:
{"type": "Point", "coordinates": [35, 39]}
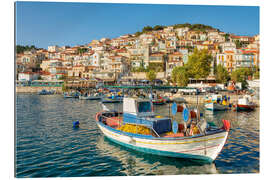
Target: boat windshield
{"type": "Point", "coordinates": [144, 107]}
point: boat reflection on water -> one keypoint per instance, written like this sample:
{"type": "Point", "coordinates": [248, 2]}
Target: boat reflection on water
{"type": "Point", "coordinates": [136, 163]}
{"type": "Point", "coordinates": [215, 117]}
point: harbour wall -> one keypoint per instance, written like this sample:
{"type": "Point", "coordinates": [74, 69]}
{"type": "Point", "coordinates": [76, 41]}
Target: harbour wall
{"type": "Point", "coordinates": [31, 89]}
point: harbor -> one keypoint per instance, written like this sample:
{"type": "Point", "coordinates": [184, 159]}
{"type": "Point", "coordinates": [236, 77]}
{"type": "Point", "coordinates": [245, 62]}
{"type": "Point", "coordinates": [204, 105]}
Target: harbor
{"type": "Point", "coordinates": [159, 94]}
{"type": "Point", "coordinates": [47, 142]}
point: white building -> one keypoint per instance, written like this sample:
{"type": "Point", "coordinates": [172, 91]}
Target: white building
{"type": "Point", "coordinates": [215, 36]}
{"type": "Point", "coordinates": [27, 76]}
{"type": "Point", "coordinates": [54, 48]}
{"type": "Point", "coordinates": [95, 59]}
{"type": "Point", "coordinates": [228, 46]}
{"type": "Point", "coordinates": [182, 31]}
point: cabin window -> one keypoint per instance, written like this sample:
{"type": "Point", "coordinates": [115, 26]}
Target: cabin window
{"type": "Point", "coordinates": [144, 107]}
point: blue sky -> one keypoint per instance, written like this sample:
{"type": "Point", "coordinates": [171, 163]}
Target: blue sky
{"type": "Point", "coordinates": [49, 23]}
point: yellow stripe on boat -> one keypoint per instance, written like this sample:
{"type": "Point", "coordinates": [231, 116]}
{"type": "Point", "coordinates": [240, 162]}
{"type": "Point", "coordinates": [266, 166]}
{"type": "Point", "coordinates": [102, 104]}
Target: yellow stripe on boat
{"type": "Point", "coordinates": [181, 142]}
{"type": "Point", "coordinates": [188, 142]}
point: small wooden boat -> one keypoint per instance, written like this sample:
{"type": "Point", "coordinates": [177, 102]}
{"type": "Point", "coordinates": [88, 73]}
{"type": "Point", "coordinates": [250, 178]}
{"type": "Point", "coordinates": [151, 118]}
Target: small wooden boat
{"type": "Point", "coordinates": [216, 107]}
{"type": "Point", "coordinates": [150, 132]}
{"type": "Point", "coordinates": [159, 101]}
{"type": "Point", "coordinates": [67, 95]}
{"type": "Point", "coordinates": [245, 104]}
{"type": "Point", "coordinates": [91, 97]}
{"type": "Point", "coordinates": [112, 99]}
{"type": "Point", "coordinates": [217, 102]}
{"type": "Point", "coordinates": [45, 92]}
{"type": "Point", "coordinates": [71, 95]}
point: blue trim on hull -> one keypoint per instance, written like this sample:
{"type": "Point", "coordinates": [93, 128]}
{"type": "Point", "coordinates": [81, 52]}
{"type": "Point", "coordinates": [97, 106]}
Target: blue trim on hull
{"type": "Point", "coordinates": [163, 153]}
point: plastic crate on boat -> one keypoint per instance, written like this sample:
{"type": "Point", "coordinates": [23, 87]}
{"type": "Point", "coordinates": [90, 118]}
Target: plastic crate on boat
{"type": "Point", "coordinates": [160, 125]}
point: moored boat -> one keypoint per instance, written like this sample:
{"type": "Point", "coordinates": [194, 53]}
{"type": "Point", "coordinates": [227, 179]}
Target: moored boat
{"type": "Point", "coordinates": [95, 96]}
{"type": "Point", "coordinates": [71, 94]}
{"type": "Point", "coordinates": [245, 104]}
{"type": "Point", "coordinates": [114, 98]}
{"type": "Point", "coordinates": [217, 102]}
{"type": "Point", "coordinates": [159, 101]}
{"type": "Point", "coordinates": [150, 132]}
{"type": "Point", "coordinates": [45, 92]}
{"type": "Point", "coordinates": [216, 106]}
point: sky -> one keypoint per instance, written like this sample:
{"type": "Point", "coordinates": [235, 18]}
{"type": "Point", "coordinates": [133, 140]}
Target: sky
{"type": "Point", "coordinates": [63, 23]}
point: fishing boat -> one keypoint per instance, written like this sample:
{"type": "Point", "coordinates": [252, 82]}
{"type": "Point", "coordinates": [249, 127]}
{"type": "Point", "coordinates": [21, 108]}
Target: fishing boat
{"type": "Point", "coordinates": [67, 95]}
{"type": "Point", "coordinates": [151, 133]}
{"type": "Point", "coordinates": [217, 102]}
{"type": "Point", "coordinates": [158, 101]}
{"type": "Point", "coordinates": [245, 104]}
{"type": "Point", "coordinates": [71, 94]}
{"type": "Point", "coordinates": [112, 98]}
{"type": "Point", "coordinates": [95, 96]}
{"type": "Point", "coordinates": [106, 147]}
{"type": "Point", "coordinates": [216, 107]}
{"type": "Point", "coordinates": [45, 92]}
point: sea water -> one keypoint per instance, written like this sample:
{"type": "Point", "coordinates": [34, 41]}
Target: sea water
{"type": "Point", "coordinates": [47, 144]}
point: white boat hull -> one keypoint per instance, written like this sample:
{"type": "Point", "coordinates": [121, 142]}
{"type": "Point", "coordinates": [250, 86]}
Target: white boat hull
{"type": "Point", "coordinates": [216, 107]}
{"type": "Point", "coordinates": [204, 148]}
{"type": "Point", "coordinates": [90, 97]}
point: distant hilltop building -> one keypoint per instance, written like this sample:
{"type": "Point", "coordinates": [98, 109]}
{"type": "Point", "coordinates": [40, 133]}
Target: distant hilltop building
{"type": "Point", "coordinates": [54, 48]}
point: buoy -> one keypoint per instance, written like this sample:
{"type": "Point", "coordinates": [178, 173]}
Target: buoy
{"type": "Point", "coordinates": [76, 124]}
{"type": "Point", "coordinates": [180, 108]}
{"type": "Point", "coordinates": [226, 124]}
{"type": "Point", "coordinates": [175, 127]}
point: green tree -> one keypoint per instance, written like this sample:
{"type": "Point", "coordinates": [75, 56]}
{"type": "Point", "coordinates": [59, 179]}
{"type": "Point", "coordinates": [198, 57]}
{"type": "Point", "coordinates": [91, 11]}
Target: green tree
{"type": "Point", "coordinates": [151, 75]}
{"type": "Point", "coordinates": [138, 33]}
{"type": "Point", "coordinates": [81, 50]}
{"type": "Point", "coordinates": [158, 27]}
{"type": "Point", "coordinates": [158, 67]}
{"type": "Point", "coordinates": [256, 75]}
{"type": "Point", "coordinates": [241, 75]}
{"type": "Point", "coordinates": [21, 49]}
{"type": "Point", "coordinates": [199, 64]}
{"type": "Point", "coordinates": [222, 75]}
{"type": "Point", "coordinates": [180, 76]}
{"type": "Point", "coordinates": [147, 29]}
{"type": "Point", "coordinates": [220, 49]}
{"type": "Point", "coordinates": [238, 44]}
{"type": "Point", "coordinates": [64, 88]}
{"type": "Point", "coordinates": [227, 37]}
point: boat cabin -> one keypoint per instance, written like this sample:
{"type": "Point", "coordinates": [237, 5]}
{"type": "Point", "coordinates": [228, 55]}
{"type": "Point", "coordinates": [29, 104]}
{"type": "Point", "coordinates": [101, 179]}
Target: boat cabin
{"type": "Point", "coordinates": [246, 100]}
{"type": "Point", "coordinates": [140, 112]}
{"type": "Point", "coordinates": [138, 107]}
{"type": "Point", "coordinates": [216, 97]}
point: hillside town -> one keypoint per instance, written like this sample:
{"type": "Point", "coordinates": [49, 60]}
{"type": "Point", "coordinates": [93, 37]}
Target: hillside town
{"type": "Point", "coordinates": [129, 57]}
